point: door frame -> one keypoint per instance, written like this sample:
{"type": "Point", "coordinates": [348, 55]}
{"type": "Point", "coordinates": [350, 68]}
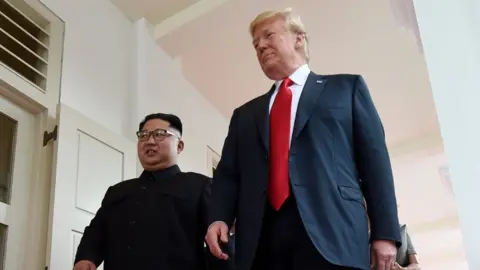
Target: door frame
{"type": "Point", "coordinates": [39, 205]}
{"type": "Point", "coordinates": [42, 104]}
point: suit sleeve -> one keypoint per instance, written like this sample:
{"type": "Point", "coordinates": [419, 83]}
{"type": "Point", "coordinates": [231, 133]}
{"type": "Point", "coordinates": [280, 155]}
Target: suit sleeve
{"type": "Point", "coordinates": [93, 244]}
{"type": "Point", "coordinates": [225, 181]}
{"type": "Point", "coordinates": [205, 204]}
{"type": "Point", "coordinates": [373, 165]}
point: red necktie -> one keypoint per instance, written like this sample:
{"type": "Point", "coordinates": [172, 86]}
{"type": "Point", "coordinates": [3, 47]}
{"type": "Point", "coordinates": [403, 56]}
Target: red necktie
{"type": "Point", "coordinates": [278, 185]}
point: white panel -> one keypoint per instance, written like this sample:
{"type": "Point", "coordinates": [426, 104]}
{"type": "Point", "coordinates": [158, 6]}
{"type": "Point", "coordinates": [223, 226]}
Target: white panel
{"type": "Point", "coordinates": [76, 241]}
{"type": "Point", "coordinates": [99, 166]}
{"type": "Point", "coordinates": [89, 158]}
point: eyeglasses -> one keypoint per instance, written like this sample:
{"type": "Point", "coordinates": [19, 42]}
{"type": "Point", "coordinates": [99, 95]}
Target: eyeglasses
{"type": "Point", "coordinates": [158, 134]}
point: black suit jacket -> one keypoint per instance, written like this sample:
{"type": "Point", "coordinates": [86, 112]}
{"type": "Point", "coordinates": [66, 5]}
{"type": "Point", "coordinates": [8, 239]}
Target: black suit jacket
{"type": "Point", "coordinates": [337, 139]}
{"type": "Point", "coordinates": [153, 222]}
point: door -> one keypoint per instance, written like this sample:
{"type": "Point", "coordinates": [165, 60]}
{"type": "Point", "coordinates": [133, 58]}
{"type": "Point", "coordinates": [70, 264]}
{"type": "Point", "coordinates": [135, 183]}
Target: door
{"type": "Point", "coordinates": [89, 159]}
{"type": "Point", "coordinates": [17, 133]}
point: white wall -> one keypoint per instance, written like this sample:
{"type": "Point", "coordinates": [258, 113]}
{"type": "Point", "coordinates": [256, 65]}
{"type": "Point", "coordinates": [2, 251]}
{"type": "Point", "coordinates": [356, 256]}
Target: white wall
{"type": "Point", "coordinates": [114, 73]}
{"type": "Point", "coordinates": [161, 87]}
{"type": "Point", "coordinates": [451, 41]}
{"type": "Point", "coordinates": [96, 74]}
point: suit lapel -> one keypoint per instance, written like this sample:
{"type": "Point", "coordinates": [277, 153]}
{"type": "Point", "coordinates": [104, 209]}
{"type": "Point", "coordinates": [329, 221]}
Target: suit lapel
{"type": "Point", "coordinates": [261, 117]}
{"type": "Point", "coordinates": [311, 92]}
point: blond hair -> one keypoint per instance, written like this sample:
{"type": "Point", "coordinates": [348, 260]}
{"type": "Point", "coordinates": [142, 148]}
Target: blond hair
{"type": "Point", "coordinates": [293, 23]}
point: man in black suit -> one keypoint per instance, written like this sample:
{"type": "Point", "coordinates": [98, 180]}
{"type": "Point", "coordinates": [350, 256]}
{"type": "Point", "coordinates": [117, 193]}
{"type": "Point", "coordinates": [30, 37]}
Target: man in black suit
{"type": "Point", "coordinates": [291, 165]}
{"type": "Point", "coordinates": [155, 221]}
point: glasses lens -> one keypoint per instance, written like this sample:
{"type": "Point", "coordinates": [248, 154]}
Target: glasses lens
{"type": "Point", "coordinates": [159, 134]}
{"type": "Point", "coordinates": [142, 135]}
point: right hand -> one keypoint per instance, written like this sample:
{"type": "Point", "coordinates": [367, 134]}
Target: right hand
{"type": "Point", "coordinates": [84, 265]}
{"type": "Point", "coordinates": [218, 231]}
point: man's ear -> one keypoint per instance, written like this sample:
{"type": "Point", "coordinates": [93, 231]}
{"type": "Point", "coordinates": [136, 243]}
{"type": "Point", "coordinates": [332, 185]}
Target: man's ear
{"type": "Point", "coordinates": [180, 146]}
{"type": "Point", "coordinates": [300, 39]}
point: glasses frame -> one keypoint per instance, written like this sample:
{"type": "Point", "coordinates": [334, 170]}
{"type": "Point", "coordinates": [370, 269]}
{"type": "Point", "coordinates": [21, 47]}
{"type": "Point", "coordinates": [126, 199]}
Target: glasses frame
{"type": "Point", "coordinates": [166, 134]}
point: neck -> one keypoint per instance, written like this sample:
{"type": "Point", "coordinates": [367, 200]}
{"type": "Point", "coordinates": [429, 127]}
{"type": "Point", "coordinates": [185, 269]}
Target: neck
{"type": "Point", "coordinates": [161, 166]}
{"type": "Point", "coordinates": [290, 68]}
{"type": "Point", "coordinates": [293, 68]}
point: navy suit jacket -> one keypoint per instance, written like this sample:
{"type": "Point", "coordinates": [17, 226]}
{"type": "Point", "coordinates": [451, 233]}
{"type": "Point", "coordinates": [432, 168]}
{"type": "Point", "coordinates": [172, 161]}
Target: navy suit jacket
{"type": "Point", "coordinates": [337, 140]}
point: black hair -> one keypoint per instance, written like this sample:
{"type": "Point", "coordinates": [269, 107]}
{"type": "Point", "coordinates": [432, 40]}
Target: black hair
{"type": "Point", "coordinates": [172, 119]}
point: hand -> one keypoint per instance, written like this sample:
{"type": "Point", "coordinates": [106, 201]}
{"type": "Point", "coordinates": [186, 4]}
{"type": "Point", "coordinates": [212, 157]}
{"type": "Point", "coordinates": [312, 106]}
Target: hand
{"type": "Point", "coordinates": [397, 266]}
{"type": "Point", "coordinates": [84, 265]}
{"type": "Point", "coordinates": [218, 231]}
{"type": "Point", "coordinates": [383, 255]}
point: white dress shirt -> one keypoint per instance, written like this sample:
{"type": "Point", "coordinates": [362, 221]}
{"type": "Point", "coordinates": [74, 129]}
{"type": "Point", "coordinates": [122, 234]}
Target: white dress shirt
{"type": "Point", "coordinates": [299, 77]}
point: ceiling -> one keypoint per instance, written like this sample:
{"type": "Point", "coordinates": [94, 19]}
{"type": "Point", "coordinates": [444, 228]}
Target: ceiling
{"type": "Point", "coordinates": [211, 41]}
{"type": "Point", "coordinates": [154, 11]}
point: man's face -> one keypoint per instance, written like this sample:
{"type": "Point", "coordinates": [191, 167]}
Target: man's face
{"type": "Point", "coordinates": [158, 145]}
{"type": "Point", "coordinates": [275, 46]}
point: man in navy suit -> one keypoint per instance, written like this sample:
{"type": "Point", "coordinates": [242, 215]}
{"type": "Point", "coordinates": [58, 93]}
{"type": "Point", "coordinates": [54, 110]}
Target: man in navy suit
{"type": "Point", "coordinates": [292, 162]}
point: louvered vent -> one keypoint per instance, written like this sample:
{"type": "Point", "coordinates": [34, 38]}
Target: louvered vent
{"type": "Point", "coordinates": [24, 41]}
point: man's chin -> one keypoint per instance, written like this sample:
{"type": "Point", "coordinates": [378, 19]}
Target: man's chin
{"type": "Point", "coordinates": [271, 72]}
{"type": "Point", "coordinates": [150, 164]}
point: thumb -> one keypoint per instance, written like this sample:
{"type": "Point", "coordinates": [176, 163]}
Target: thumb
{"type": "Point", "coordinates": [224, 233]}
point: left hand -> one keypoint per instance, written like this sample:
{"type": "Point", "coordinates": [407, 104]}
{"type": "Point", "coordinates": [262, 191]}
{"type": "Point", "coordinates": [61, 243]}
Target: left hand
{"type": "Point", "coordinates": [383, 255]}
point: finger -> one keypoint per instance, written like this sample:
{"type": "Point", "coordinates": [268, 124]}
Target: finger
{"type": "Point", "coordinates": [373, 259]}
{"type": "Point", "coordinates": [214, 246]}
{"type": "Point", "coordinates": [212, 241]}
{"type": "Point", "coordinates": [390, 264]}
{"type": "Point", "coordinates": [215, 249]}
{"type": "Point", "coordinates": [224, 234]}
{"type": "Point", "coordinates": [381, 264]}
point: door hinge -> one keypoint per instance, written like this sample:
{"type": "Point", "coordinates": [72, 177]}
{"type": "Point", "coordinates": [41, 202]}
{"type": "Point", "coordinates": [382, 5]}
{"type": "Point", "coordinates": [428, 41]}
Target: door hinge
{"type": "Point", "coordinates": [48, 136]}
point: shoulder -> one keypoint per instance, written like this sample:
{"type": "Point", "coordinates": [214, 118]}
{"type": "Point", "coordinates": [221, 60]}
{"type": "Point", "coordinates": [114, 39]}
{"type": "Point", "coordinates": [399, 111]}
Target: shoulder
{"type": "Point", "coordinates": [123, 185]}
{"type": "Point", "coordinates": [119, 190]}
{"type": "Point", "coordinates": [196, 177]}
{"type": "Point", "coordinates": [344, 83]}
{"type": "Point", "coordinates": [253, 103]}
{"type": "Point", "coordinates": [342, 78]}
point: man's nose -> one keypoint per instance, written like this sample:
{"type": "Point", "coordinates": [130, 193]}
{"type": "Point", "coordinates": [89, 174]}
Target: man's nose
{"type": "Point", "coordinates": [261, 47]}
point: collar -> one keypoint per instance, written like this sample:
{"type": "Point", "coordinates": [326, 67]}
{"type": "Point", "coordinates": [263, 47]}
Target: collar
{"type": "Point", "coordinates": [162, 174]}
{"type": "Point", "coordinates": [299, 77]}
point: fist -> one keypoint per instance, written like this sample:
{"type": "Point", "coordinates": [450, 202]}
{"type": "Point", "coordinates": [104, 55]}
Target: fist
{"type": "Point", "coordinates": [397, 266]}
{"type": "Point", "coordinates": [84, 265]}
{"type": "Point", "coordinates": [217, 232]}
{"type": "Point", "coordinates": [383, 254]}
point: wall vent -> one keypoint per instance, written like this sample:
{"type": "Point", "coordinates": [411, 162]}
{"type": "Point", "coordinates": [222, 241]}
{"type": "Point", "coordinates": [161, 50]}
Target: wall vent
{"type": "Point", "coordinates": [24, 41]}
